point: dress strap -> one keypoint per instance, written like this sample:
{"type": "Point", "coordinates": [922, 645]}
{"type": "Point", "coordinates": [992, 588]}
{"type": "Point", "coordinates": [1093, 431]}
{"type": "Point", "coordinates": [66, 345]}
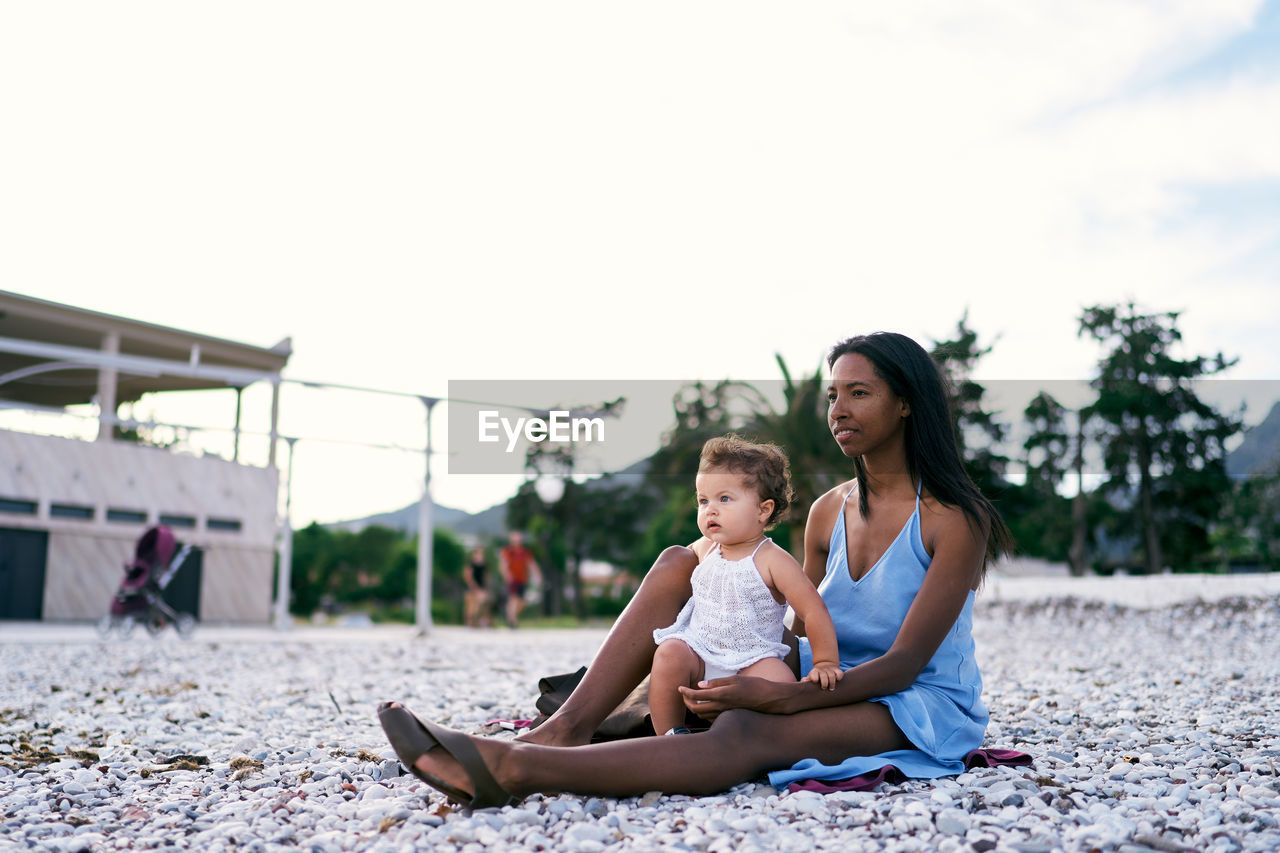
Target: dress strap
{"type": "Point", "coordinates": [758, 547]}
{"type": "Point", "coordinates": [919, 486]}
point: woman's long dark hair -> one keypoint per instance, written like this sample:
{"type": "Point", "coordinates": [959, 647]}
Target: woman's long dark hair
{"type": "Point", "coordinates": [932, 455]}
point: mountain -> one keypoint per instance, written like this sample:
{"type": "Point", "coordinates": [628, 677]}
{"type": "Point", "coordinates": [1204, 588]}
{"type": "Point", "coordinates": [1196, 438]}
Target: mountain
{"type": "Point", "coordinates": [1260, 450]}
{"type": "Point", "coordinates": [490, 522]}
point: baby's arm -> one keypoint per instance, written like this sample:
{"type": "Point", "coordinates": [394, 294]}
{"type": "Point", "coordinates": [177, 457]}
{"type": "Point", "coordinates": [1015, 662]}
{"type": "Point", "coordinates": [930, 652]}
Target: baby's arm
{"type": "Point", "coordinates": [786, 576]}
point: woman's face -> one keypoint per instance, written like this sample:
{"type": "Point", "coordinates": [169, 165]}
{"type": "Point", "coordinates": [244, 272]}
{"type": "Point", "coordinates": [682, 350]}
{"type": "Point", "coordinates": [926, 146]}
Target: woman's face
{"type": "Point", "coordinates": [862, 411]}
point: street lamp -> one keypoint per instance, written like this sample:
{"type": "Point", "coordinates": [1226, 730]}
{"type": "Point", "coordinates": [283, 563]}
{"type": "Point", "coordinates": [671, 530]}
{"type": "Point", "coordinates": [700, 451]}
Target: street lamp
{"type": "Point", "coordinates": [549, 488]}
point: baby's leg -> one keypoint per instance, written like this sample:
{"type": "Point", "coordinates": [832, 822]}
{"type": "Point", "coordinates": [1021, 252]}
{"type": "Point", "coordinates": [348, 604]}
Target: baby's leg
{"type": "Point", "coordinates": [772, 669]}
{"type": "Point", "coordinates": [674, 664]}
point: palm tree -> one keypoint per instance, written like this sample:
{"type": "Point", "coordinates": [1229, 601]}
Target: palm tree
{"type": "Point", "coordinates": [800, 428]}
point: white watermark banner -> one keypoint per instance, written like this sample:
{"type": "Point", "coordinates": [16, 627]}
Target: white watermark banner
{"type": "Point", "coordinates": [574, 426]}
{"type": "Point", "coordinates": [590, 427]}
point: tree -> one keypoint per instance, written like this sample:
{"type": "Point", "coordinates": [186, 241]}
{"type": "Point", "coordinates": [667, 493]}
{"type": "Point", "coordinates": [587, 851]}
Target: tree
{"type": "Point", "coordinates": [1047, 445]}
{"type": "Point", "coordinates": [800, 428]}
{"type": "Point", "coordinates": [1156, 433]}
{"type": "Point", "coordinates": [312, 547]}
{"type": "Point", "coordinates": [978, 433]}
{"type": "Point", "coordinates": [601, 519]}
{"type": "Point", "coordinates": [702, 411]}
{"type": "Point", "coordinates": [1251, 533]}
{"type": "Point", "coordinates": [1077, 555]}
{"type": "Point", "coordinates": [609, 519]}
{"type": "Point", "coordinates": [373, 567]}
{"type": "Point", "coordinates": [447, 559]}
{"type": "Point", "coordinates": [674, 522]}
{"type": "Point", "coordinates": [1038, 516]}
{"type": "Point", "coordinates": [597, 519]}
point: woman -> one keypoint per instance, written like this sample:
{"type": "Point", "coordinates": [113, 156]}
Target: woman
{"type": "Point", "coordinates": [475, 601]}
{"type": "Point", "coordinates": [898, 568]}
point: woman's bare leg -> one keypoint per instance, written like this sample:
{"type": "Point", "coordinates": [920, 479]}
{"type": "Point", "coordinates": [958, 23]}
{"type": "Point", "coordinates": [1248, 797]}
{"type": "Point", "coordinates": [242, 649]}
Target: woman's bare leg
{"type": "Point", "coordinates": [740, 746]}
{"type": "Point", "coordinates": [674, 663]}
{"type": "Point", "coordinates": [626, 655]}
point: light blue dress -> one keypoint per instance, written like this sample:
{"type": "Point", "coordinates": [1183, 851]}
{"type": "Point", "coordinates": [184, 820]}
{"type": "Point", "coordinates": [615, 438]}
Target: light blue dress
{"type": "Point", "coordinates": [942, 713]}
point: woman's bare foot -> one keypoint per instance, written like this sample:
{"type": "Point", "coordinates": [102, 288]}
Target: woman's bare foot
{"type": "Point", "coordinates": [437, 764]}
{"type": "Point", "coordinates": [552, 733]}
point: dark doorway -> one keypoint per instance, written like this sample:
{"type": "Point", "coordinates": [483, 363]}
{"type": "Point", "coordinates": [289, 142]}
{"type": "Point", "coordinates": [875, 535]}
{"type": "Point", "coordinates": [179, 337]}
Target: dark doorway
{"type": "Point", "coordinates": [22, 563]}
{"type": "Point", "coordinates": [183, 591]}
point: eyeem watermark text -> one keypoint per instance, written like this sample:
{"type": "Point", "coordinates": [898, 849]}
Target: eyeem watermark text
{"type": "Point", "coordinates": [559, 427]}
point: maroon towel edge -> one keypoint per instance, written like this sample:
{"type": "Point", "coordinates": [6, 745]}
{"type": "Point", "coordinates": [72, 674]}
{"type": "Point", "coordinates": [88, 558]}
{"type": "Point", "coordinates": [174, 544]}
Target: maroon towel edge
{"type": "Point", "coordinates": [892, 775]}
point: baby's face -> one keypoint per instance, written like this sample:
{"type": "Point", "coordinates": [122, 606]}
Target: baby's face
{"type": "Point", "coordinates": [729, 510]}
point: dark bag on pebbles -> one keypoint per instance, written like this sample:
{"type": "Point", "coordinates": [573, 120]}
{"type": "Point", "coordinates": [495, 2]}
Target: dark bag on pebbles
{"type": "Point", "coordinates": [628, 720]}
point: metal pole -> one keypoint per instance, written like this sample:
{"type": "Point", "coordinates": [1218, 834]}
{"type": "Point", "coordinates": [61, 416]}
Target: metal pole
{"type": "Point", "coordinates": [285, 572]}
{"type": "Point", "coordinates": [426, 535]}
{"type": "Point", "coordinates": [235, 445]}
{"type": "Point", "coordinates": [275, 423]}
{"type": "Point", "coordinates": [107, 379]}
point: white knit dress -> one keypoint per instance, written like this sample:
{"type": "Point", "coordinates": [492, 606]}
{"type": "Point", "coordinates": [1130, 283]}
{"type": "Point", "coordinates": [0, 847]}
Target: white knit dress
{"type": "Point", "coordinates": [732, 620]}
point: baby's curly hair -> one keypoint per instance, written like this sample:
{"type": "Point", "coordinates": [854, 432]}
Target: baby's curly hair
{"type": "Point", "coordinates": [765, 468]}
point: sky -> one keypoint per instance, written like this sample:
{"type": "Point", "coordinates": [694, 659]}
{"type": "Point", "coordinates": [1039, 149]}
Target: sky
{"type": "Point", "coordinates": [418, 193]}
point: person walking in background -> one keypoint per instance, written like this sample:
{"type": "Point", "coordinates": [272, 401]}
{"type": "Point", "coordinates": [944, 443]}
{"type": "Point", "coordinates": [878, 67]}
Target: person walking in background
{"type": "Point", "coordinates": [518, 567]}
{"type": "Point", "coordinates": [476, 598]}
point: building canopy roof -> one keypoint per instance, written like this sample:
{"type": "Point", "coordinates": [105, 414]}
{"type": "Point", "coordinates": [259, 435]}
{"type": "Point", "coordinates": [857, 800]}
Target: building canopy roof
{"type": "Point", "coordinates": [50, 355]}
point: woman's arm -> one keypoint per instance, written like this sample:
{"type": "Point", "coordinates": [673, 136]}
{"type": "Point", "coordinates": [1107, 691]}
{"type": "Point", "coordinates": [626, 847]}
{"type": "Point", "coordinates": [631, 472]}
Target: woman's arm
{"type": "Point", "coordinates": [959, 551]}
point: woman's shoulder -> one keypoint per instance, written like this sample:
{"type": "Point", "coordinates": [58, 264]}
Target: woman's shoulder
{"type": "Point", "coordinates": [932, 506]}
{"type": "Point", "coordinates": [833, 499]}
{"type": "Point", "coordinates": [943, 520]}
{"type": "Point", "coordinates": [823, 512]}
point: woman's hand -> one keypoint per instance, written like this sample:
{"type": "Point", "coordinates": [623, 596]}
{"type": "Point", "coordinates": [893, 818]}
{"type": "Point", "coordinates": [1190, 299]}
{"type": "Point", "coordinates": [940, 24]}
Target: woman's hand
{"type": "Point", "coordinates": [737, 691]}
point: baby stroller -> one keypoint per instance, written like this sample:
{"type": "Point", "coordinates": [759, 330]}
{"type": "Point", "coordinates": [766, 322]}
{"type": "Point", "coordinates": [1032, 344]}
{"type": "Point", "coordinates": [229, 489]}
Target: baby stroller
{"type": "Point", "coordinates": [139, 597]}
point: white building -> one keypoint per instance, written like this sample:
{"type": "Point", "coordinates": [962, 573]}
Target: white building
{"type": "Point", "coordinates": [71, 511]}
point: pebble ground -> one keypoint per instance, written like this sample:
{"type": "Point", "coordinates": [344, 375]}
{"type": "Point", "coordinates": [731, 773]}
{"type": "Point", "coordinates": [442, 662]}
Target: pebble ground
{"type": "Point", "coordinates": [1150, 729]}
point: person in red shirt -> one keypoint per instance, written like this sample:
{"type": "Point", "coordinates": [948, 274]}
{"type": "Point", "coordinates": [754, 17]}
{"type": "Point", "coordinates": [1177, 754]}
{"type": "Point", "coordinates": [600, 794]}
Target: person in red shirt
{"type": "Point", "coordinates": [518, 567]}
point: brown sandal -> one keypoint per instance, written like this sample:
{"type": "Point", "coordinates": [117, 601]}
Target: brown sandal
{"type": "Point", "coordinates": [412, 738]}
